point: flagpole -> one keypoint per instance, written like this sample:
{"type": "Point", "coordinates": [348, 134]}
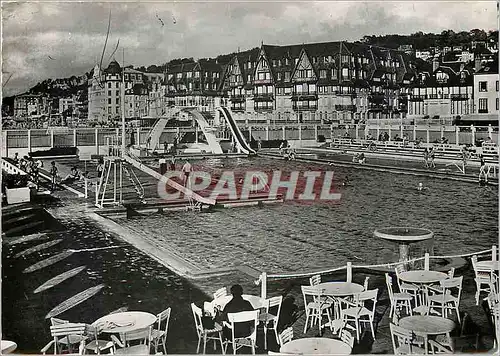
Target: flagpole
{"type": "Point", "coordinates": [123, 102]}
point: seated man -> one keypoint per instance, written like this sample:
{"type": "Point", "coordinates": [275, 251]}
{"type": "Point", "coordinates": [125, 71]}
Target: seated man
{"type": "Point", "coordinates": [72, 176]}
{"type": "Point", "coordinates": [235, 305]}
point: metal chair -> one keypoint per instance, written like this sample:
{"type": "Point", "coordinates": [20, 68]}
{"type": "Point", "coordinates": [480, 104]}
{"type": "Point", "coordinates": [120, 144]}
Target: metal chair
{"type": "Point", "coordinates": [449, 299]}
{"type": "Point", "coordinates": [402, 341]}
{"type": "Point", "coordinates": [315, 307]}
{"type": "Point", "coordinates": [141, 339]}
{"type": "Point", "coordinates": [221, 292]}
{"type": "Point", "coordinates": [268, 317]}
{"type": "Point", "coordinates": [398, 298]}
{"type": "Point", "coordinates": [159, 335]}
{"type": "Point", "coordinates": [243, 340]}
{"type": "Point", "coordinates": [359, 313]}
{"type": "Point", "coordinates": [286, 336]}
{"type": "Point", "coordinates": [347, 338]}
{"type": "Point", "coordinates": [206, 334]}
{"type": "Point", "coordinates": [483, 277]}
{"type": "Point", "coordinates": [66, 331]}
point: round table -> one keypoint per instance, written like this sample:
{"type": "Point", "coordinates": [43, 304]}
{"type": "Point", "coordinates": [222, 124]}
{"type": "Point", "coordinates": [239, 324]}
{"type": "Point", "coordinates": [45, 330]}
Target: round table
{"type": "Point", "coordinates": [124, 322]}
{"type": "Point", "coordinates": [316, 346]}
{"type": "Point", "coordinates": [492, 265]}
{"type": "Point", "coordinates": [427, 325]}
{"type": "Point", "coordinates": [422, 276]}
{"type": "Point", "coordinates": [256, 301]}
{"type": "Point", "coordinates": [340, 289]}
{"type": "Point", "coordinates": [8, 346]}
{"type": "Point", "coordinates": [404, 236]}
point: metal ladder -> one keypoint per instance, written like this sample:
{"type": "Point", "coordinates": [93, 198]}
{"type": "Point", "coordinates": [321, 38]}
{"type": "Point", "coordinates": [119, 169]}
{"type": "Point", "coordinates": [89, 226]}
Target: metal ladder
{"type": "Point", "coordinates": [132, 177]}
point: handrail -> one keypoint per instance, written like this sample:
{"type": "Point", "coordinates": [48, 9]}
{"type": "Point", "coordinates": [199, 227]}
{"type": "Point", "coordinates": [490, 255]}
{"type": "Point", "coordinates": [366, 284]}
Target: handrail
{"type": "Point", "coordinates": [327, 271]}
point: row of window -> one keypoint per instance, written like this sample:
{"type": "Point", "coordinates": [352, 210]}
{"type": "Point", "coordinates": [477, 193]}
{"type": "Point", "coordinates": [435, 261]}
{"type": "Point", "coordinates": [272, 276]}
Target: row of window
{"type": "Point", "coordinates": [483, 105]}
{"type": "Point", "coordinates": [483, 86]}
{"type": "Point", "coordinates": [196, 74]}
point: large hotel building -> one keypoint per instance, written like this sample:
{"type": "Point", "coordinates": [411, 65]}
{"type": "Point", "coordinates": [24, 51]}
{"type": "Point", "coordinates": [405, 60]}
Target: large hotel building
{"type": "Point", "coordinates": [329, 82]}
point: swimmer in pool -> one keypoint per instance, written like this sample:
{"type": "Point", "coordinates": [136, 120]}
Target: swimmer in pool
{"type": "Point", "coordinates": [421, 187]}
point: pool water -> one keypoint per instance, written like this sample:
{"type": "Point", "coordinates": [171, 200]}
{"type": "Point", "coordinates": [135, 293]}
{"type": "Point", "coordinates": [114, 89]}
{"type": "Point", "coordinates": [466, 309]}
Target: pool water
{"type": "Point", "coordinates": [294, 236]}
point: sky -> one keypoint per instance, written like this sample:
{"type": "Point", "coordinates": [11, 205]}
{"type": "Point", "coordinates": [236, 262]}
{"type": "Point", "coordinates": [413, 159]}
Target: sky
{"type": "Point", "coordinates": [44, 40]}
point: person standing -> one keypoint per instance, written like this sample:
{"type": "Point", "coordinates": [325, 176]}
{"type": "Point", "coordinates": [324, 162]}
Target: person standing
{"type": "Point", "coordinates": [431, 158]}
{"type": "Point", "coordinates": [100, 167]}
{"type": "Point", "coordinates": [482, 170]}
{"type": "Point", "coordinates": [172, 163]}
{"type": "Point", "coordinates": [16, 158]}
{"type": "Point", "coordinates": [426, 158]}
{"type": "Point", "coordinates": [186, 170]}
{"type": "Point", "coordinates": [53, 175]}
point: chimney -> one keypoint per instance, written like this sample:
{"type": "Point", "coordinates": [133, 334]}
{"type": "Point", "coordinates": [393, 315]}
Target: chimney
{"type": "Point", "coordinates": [477, 64]}
{"type": "Point", "coordinates": [435, 64]}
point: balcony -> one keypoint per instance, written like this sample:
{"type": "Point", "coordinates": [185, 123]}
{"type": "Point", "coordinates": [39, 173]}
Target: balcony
{"type": "Point", "coordinates": [305, 107]}
{"type": "Point", "coordinates": [263, 97]}
{"type": "Point", "coordinates": [345, 107]}
{"type": "Point", "coordinates": [417, 97]}
{"type": "Point", "coordinates": [459, 97]}
{"type": "Point", "coordinates": [237, 98]}
{"type": "Point", "coordinates": [304, 96]}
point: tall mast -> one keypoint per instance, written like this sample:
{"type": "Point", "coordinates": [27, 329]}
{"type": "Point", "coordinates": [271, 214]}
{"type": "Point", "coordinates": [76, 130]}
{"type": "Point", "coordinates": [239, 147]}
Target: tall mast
{"type": "Point", "coordinates": [123, 102]}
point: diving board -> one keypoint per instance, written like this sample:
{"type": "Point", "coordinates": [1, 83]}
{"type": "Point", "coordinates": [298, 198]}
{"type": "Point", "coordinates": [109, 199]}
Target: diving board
{"type": "Point", "coordinates": [162, 178]}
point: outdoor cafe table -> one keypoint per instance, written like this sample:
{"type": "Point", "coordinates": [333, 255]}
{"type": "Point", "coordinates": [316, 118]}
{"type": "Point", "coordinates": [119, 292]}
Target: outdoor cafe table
{"type": "Point", "coordinates": [423, 278]}
{"type": "Point", "coordinates": [124, 322]}
{"type": "Point", "coordinates": [341, 290]}
{"type": "Point", "coordinates": [8, 346]}
{"type": "Point", "coordinates": [316, 346]}
{"type": "Point", "coordinates": [425, 325]}
{"type": "Point", "coordinates": [256, 301]}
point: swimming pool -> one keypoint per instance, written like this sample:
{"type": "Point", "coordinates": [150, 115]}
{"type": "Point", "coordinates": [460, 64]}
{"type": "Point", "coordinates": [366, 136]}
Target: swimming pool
{"type": "Point", "coordinates": [295, 237]}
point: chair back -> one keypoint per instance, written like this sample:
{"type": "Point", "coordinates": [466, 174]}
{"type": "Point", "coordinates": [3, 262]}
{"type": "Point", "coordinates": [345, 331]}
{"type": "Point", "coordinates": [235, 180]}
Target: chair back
{"type": "Point", "coordinates": [315, 280]}
{"type": "Point", "coordinates": [164, 318]}
{"type": "Point", "coordinates": [400, 337]}
{"type": "Point", "coordinates": [451, 272]}
{"type": "Point", "coordinates": [66, 329]}
{"type": "Point", "coordinates": [365, 284]}
{"type": "Point", "coordinates": [56, 321]}
{"type": "Point", "coordinates": [143, 336]}
{"type": "Point", "coordinates": [452, 285]}
{"type": "Point", "coordinates": [242, 317]}
{"type": "Point", "coordinates": [275, 304]}
{"type": "Point", "coordinates": [398, 269]}
{"type": "Point", "coordinates": [388, 281]}
{"type": "Point", "coordinates": [310, 294]}
{"type": "Point", "coordinates": [221, 292]}
{"type": "Point", "coordinates": [197, 314]}
{"type": "Point", "coordinates": [483, 273]}
{"type": "Point", "coordinates": [286, 336]}
{"type": "Point", "coordinates": [347, 338]}
{"type": "Point", "coordinates": [369, 295]}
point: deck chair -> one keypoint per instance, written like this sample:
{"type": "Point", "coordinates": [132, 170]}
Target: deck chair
{"type": "Point", "coordinates": [206, 334]}
{"type": "Point", "coordinates": [246, 340]}
{"type": "Point", "coordinates": [286, 336]}
{"type": "Point", "coordinates": [402, 341]}
{"type": "Point", "coordinates": [133, 343]}
{"type": "Point", "coordinates": [159, 335]}
{"type": "Point", "coordinates": [271, 317]}
{"type": "Point", "coordinates": [67, 331]}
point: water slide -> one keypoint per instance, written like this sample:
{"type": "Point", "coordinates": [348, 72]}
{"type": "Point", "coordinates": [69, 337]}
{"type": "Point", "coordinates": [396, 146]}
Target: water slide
{"type": "Point", "coordinates": [175, 185]}
{"type": "Point", "coordinates": [207, 131]}
{"type": "Point", "coordinates": [155, 133]}
{"type": "Point", "coordinates": [235, 130]}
